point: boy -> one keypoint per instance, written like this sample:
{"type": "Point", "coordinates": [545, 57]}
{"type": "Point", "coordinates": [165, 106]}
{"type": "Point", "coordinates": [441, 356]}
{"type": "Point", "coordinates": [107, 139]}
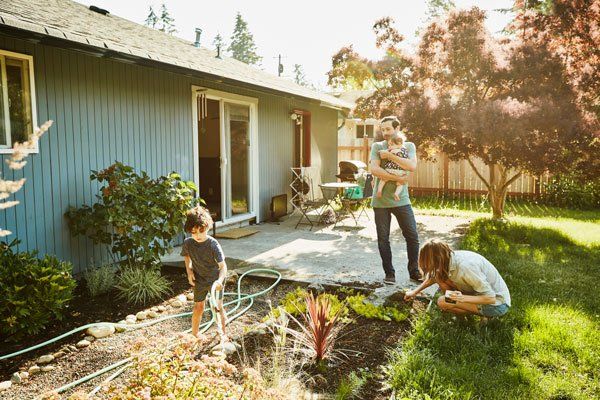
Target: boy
{"type": "Point", "coordinates": [204, 263]}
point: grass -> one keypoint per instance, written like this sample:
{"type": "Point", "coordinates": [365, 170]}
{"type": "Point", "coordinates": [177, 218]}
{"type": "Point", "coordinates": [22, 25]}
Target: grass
{"type": "Point", "coordinates": [546, 347]}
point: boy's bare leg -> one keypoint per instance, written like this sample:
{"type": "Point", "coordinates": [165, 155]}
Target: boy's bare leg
{"type": "Point", "coordinates": [197, 317]}
{"type": "Point", "coordinates": [223, 319]}
{"type": "Point", "coordinates": [380, 186]}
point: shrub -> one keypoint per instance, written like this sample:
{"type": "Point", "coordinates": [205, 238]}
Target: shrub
{"type": "Point", "coordinates": [294, 303]}
{"type": "Point", "coordinates": [34, 291]}
{"type": "Point", "coordinates": [350, 386]}
{"type": "Point", "coordinates": [100, 280]}
{"type": "Point", "coordinates": [369, 310]}
{"type": "Point", "coordinates": [142, 285]}
{"type": "Point", "coordinates": [572, 191]}
{"type": "Point", "coordinates": [136, 216]}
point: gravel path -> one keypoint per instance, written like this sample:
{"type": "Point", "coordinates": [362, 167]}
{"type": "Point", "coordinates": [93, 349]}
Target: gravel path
{"type": "Point", "coordinates": [103, 352]}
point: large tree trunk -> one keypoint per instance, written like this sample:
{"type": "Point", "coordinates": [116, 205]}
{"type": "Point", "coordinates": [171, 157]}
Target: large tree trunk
{"type": "Point", "coordinates": [497, 186]}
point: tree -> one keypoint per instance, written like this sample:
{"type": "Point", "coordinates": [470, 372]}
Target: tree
{"type": "Point", "coordinates": [219, 42]}
{"type": "Point", "coordinates": [164, 22]}
{"type": "Point", "coordinates": [438, 8]}
{"type": "Point", "coordinates": [506, 102]}
{"type": "Point", "coordinates": [15, 162]}
{"type": "Point", "coordinates": [242, 46]}
{"type": "Point", "coordinates": [300, 77]}
{"type": "Point", "coordinates": [570, 30]}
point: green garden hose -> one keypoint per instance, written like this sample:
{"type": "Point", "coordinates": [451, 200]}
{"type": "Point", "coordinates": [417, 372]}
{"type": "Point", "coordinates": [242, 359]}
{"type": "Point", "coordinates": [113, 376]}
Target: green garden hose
{"type": "Point", "coordinates": [204, 327]}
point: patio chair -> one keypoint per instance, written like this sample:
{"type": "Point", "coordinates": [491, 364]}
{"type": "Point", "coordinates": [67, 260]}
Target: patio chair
{"type": "Point", "coordinates": [307, 203]}
{"type": "Point", "coordinates": [359, 205]}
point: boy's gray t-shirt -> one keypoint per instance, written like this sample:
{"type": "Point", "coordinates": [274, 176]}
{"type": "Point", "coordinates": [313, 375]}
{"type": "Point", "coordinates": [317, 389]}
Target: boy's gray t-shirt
{"type": "Point", "coordinates": [205, 256]}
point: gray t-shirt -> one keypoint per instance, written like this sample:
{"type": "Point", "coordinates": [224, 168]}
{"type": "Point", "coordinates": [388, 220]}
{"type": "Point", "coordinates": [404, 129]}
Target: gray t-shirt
{"type": "Point", "coordinates": [474, 274]}
{"type": "Point", "coordinates": [205, 256]}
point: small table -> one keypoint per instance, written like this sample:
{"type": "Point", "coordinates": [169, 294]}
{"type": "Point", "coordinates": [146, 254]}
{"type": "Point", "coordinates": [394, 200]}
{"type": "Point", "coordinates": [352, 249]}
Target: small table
{"type": "Point", "coordinates": [331, 191]}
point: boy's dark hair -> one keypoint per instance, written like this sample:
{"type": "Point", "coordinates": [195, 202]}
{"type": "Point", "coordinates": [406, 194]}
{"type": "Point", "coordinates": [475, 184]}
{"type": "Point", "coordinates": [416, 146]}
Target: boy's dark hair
{"type": "Point", "coordinates": [198, 217]}
{"type": "Point", "coordinates": [394, 119]}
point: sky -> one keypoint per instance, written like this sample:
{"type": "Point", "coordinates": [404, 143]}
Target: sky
{"type": "Point", "coordinates": [306, 33]}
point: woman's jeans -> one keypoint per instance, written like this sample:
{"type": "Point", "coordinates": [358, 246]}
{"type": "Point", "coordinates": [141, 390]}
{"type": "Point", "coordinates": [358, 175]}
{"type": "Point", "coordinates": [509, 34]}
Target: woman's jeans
{"type": "Point", "coordinates": [406, 220]}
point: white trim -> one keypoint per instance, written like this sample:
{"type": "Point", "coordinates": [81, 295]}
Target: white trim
{"type": "Point", "coordinates": [252, 103]}
{"type": "Point", "coordinates": [7, 149]}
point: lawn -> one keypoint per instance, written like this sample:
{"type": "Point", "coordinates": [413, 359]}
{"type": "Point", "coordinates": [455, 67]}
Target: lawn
{"type": "Point", "coordinates": [547, 347]}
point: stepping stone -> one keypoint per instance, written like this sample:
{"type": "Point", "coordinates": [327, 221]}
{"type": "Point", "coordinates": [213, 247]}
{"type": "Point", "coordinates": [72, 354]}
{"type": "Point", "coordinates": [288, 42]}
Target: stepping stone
{"type": "Point", "coordinates": [34, 370]}
{"type": "Point", "coordinates": [5, 385]}
{"type": "Point", "coordinates": [152, 314]}
{"type": "Point", "coordinates": [142, 315]}
{"type": "Point", "coordinates": [101, 331]}
{"type": "Point", "coordinates": [45, 359]}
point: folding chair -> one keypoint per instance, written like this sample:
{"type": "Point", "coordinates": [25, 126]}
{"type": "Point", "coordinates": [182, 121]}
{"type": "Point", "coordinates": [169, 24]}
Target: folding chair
{"type": "Point", "coordinates": [306, 203]}
{"type": "Point", "coordinates": [362, 203]}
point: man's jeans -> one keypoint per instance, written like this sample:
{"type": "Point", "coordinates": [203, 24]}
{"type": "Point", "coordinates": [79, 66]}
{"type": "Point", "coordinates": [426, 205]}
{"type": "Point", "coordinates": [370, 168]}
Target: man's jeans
{"type": "Point", "coordinates": [406, 220]}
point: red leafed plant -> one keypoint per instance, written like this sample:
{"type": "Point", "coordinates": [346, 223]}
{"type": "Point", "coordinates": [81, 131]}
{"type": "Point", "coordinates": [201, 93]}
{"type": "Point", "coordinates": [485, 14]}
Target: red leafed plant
{"type": "Point", "coordinates": [319, 329]}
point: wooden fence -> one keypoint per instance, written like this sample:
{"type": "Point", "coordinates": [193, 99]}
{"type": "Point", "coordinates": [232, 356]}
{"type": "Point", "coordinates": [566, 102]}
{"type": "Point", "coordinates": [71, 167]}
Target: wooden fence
{"type": "Point", "coordinates": [443, 176]}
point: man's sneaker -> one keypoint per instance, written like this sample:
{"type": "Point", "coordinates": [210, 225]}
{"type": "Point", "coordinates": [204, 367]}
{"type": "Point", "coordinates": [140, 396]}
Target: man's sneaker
{"type": "Point", "coordinates": [417, 277]}
{"type": "Point", "coordinates": [389, 279]}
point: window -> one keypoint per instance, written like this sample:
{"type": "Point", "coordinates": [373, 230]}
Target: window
{"type": "Point", "coordinates": [363, 130]}
{"type": "Point", "coordinates": [17, 116]}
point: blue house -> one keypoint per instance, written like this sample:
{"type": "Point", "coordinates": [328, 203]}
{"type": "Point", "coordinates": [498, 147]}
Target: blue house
{"type": "Point", "coordinates": [119, 91]}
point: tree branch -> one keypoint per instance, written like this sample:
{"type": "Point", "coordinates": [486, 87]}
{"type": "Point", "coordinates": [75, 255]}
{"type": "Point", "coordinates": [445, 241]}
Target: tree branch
{"type": "Point", "coordinates": [512, 179]}
{"type": "Point", "coordinates": [477, 172]}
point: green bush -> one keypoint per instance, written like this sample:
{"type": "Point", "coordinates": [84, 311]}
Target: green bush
{"type": "Point", "coordinates": [100, 280]}
{"type": "Point", "coordinates": [573, 191]}
{"type": "Point", "coordinates": [295, 303]}
{"type": "Point", "coordinates": [142, 285]}
{"type": "Point", "coordinates": [34, 291]}
{"type": "Point", "coordinates": [136, 216]}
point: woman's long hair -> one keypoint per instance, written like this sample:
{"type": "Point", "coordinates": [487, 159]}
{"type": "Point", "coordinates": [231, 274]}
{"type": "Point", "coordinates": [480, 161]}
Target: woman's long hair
{"type": "Point", "coordinates": [434, 259]}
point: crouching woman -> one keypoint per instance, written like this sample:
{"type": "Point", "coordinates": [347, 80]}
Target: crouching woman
{"type": "Point", "coordinates": [469, 282]}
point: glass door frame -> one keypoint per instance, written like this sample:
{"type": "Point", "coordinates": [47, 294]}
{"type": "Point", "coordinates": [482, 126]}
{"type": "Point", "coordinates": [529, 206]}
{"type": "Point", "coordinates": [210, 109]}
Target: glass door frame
{"type": "Point", "coordinates": [253, 199]}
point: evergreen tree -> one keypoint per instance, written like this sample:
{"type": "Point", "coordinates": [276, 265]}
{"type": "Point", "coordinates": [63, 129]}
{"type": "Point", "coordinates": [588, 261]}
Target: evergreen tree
{"type": "Point", "coordinates": [167, 22]}
{"type": "Point", "coordinates": [219, 42]}
{"type": "Point", "coordinates": [299, 76]}
{"type": "Point", "coordinates": [242, 46]}
{"type": "Point", "coordinates": [151, 19]}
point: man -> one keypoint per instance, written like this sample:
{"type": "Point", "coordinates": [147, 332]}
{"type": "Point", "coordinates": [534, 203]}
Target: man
{"type": "Point", "coordinates": [386, 206]}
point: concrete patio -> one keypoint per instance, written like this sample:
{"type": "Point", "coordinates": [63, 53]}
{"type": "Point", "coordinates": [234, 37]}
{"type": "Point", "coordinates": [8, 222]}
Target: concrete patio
{"type": "Point", "coordinates": [346, 254]}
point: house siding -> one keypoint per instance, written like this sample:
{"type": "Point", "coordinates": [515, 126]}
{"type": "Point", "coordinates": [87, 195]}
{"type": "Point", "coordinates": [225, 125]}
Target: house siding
{"type": "Point", "coordinates": [106, 111]}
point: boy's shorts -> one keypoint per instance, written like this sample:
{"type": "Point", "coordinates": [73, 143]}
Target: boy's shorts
{"type": "Point", "coordinates": [492, 310]}
{"type": "Point", "coordinates": [201, 288]}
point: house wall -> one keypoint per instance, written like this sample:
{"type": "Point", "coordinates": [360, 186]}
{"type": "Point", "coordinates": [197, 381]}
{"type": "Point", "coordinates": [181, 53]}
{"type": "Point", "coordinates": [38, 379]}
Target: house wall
{"type": "Point", "coordinates": [104, 111]}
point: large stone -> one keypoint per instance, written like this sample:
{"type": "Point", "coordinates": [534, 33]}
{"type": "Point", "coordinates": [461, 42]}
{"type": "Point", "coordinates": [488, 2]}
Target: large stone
{"type": "Point", "coordinates": [34, 369]}
{"type": "Point", "coordinates": [152, 314]}
{"type": "Point", "coordinates": [5, 385]}
{"type": "Point", "coordinates": [16, 378]}
{"type": "Point", "coordinates": [121, 327]}
{"type": "Point", "coordinates": [155, 309]}
{"type": "Point", "coordinates": [24, 375]}
{"type": "Point", "coordinates": [89, 338]}
{"type": "Point", "coordinates": [48, 368]}
{"type": "Point", "coordinates": [176, 303]}
{"type": "Point", "coordinates": [182, 298]}
{"type": "Point", "coordinates": [142, 315]}
{"type": "Point", "coordinates": [226, 348]}
{"type": "Point", "coordinates": [59, 354]}
{"type": "Point", "coordinates": [101, 331]}
{"type": "Point", "coordinates": [162, 308]}
{"type": "Point", "coordinates": [83, 343]}
{"type": "Point", "coordinates": [45, 359]}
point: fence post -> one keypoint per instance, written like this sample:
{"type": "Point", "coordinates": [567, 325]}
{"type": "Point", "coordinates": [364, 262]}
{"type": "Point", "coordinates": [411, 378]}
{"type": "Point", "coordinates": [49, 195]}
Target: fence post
{"type": "Point", "coordinates": [365, 149]}
{"type": "Point", "coordinates": [446, 173]}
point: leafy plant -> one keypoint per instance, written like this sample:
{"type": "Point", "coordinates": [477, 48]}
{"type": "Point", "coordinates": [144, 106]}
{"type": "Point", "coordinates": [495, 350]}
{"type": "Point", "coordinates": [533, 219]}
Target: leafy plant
{"type": "Point", "coordinates": [100, 280]}
{"type": "Point", "coordinates": [136, 216]}
{"type": "Point", "coordinates": [142, 285]}
{"type": "Point", "coordinates": [369, 310]}
{"type": "Point", "coordinates": [319, 329]}
{"type": "Point", "coordinates": [573, 191]}
{"type": "Point", "coordinates": [351, 386]}
{"type": "Point", "coordinates": [34, 291]}
{"type": "Point", "coordinates": [294, 303]}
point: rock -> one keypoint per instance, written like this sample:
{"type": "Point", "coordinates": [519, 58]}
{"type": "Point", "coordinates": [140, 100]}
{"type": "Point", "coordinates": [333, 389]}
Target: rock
{"type": "Point", "coordinates": [226, 348]}
{"type": "Point", "coordinates": [24, 375]}
{"type": "Point", "coordinates": [48, 368]}
{"type": "Point", "coordinates": [130, 321]}
{"type": "Point", "coordinates": [190, 296]}
{"type": "Point", "coordinates": [72, 348]}
{"type": "Point", "coordinates": [152, 314]}
{"type": "Point", "coordinates": [121, 327]}
{"type": "Point", "coordinates": [316, 288]}
{"type": "Point", "coordinates": [58, 354]}
{"type": "Point", "coordinates": [89, 338]}
{"type": "Point", "coordinates": [5, 385]}
{"type": "Point", "coordinates": [142, 315]}
{"type": "Point", "coordinates": [83, 343]}
{"type": "Point", "coordinates": [182, 298]}
{"type": "Point", "coordinates": [34, 370]}
{"type": "Point", "coordinates": [162, 308]}
{"type": "Point", "coordinates": [45, 359]}
{"type": "Point", "coordinates": [176, 303]}
{"type": "Point", "coordinates": [101, 331]}
{"type": "Point", "coordinates": [16, 378]}
{"type": "Point", "coordinates": [155, 309]}
{"type": "Point", "coordinates": [232, 277]}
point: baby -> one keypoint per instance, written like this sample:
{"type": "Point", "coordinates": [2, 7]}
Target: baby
{"type": "Point", "coordinates": [396, 147]}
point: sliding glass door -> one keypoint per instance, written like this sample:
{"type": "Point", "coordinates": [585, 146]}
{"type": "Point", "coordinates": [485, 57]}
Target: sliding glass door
{"type": "Point", "coordinates": [237, 142]}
